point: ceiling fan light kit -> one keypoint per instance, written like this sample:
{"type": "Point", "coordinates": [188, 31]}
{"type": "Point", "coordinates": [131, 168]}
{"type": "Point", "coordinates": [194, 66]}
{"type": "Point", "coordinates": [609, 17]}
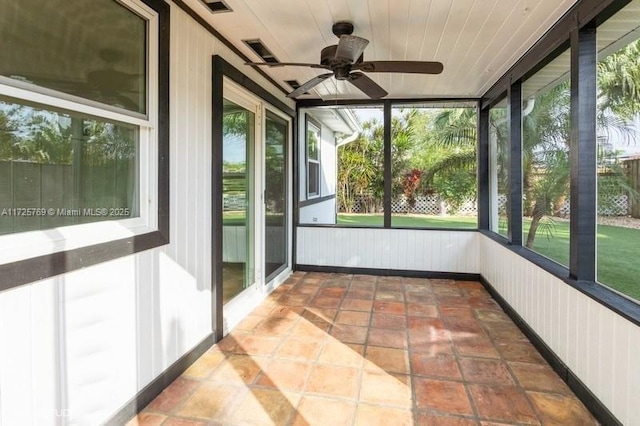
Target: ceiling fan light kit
{"type": "Point", "coordinates": [346, 62]}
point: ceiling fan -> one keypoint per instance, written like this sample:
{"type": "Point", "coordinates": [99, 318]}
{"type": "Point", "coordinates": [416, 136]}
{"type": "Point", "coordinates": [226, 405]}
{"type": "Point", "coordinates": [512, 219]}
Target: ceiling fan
{"type": "Point", "coordinates": [345, 61]}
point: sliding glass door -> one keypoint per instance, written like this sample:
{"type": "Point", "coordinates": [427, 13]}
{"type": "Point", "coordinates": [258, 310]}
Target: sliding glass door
{"type": "Point", "coordinates": [238, 193]}
{"type": "Point", "coordinates": [275, 195]}
{"type": "Point", "coordinates": [255, 189]}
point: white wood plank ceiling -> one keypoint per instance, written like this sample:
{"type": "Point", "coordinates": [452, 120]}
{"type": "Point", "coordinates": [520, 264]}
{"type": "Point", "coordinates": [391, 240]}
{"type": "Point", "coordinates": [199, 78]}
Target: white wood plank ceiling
{"type": "Point", "coordinates": [476, 40]}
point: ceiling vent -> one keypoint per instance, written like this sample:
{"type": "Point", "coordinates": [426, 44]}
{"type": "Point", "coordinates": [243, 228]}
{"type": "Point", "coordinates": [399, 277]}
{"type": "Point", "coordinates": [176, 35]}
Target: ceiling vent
{"type": "Point", "coordinates": [294, 84]}
{"type": "Point", "coordinates": [217, 6]}
{"type": "Point", "coordinates": [261, 50]}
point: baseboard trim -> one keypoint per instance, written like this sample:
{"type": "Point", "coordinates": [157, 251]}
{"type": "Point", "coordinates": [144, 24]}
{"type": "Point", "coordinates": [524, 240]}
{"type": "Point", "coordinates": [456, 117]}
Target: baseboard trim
{"type": "Point", "coordinates": [593, 404]}
{"type": "Point", "coordinates": [460, 276]}
{"type": "Point", "coordinates": [160, 383]}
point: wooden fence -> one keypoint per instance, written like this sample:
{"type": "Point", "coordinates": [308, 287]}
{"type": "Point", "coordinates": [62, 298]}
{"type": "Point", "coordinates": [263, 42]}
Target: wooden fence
{"type": "Point", "coordinates": [633, 171]}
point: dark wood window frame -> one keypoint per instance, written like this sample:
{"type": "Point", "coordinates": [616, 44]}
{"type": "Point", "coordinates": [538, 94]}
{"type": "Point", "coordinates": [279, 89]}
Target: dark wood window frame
{"type": "Point", "coordinates": [577, 30]}
{"type": "Point", "coordinates": [15, 274]}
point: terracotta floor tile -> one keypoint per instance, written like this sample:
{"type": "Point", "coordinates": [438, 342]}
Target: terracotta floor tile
{"type": "Point", "coordinates": [307, 328]}
{"type": "Point", "coordinates": [317, 411]}
{"type": "Point", "coordinates": [204, 366]}
{"type": "Point", "coordinates": [564, 410]}
{"type": "Point", "coordinates": [522, 352]}
{"type": "Point", "coordinates": [336, 283]}
{"type": "Point", "coordinates": [443, 366]}
{"type": "Point", "coordinates": [423, 345]}
{"type": "Point", "coordinates": [333, 381]}
{"type": "Point", "coordinates": [285, 374]}
{"type": "Point", "coordinates": [294, 300]}
{"type": "Point", "coordinates": [360, 294]}
{"type": "Point", "coordinates": [357, 305]}
{"type": "Point", "coordinates": [300, 348]}
{"type": "Point", "coordinates": [395, 285]}
{"type": "Point", "coordinates": [464, 329]}
{"type": "Point", "coordinates": [315, 314]}
{"type": "Point", "coordinates": [380, 320]}
{"type": "Point", "coordinates": [349, 333]}
{"type": "Point", "coordinates": [331, 292]}
{"type": "Point", "coordinates": [173, 395]}
{"type": "Point", "coordinates": [353, 318]}
{"type": "Point", "coordinates": [491, 315]}
{"type": "Point", "coordinates": [364, 286]}
{"type": "Point", "coordinates": [490, 371]}
{"type": "Point", "coordinates": [147, 419]}
{"type": "Point", "coordinates": [380, 387]}
{"type": "Point", "coordinates": [422, 310]}
{"type": "Point", "coordinates": [375, 415]}
{"type": "Point", "coordinates": [211, 401]}
{"type": "Point", "coordinates": [394, 308]}
{"type": "Point", "coordinates": [249, 322]}
{"type": "Point", "coordinates": [389, 280]}
{"type": "Point", "coordinates": [275, 326]}
{"type": "Point", "coordinates": [387, 338]}
{"type": "Point", "coordinates": [473, 292]}
{"type": "Point", "coordinates": [335, 352]}
{"type": "Point", "coordinates": [503, 403]}
{"type": "Point", "coordinates": [258, 345]}
{"type": "Point", "coordinates": [449, 312]}
{"type": "Point", "coordinates": [288, 312]}
{"type": "Point", "coordinates": [429, 419]}
{"type": "Point", "coordinates": [417, 286]}
{"type": "Point", "coordinates": [325, 302]}
{"type": "Point", "coordinates": [176, 421]}
{"type": "Point", "coordinates": [265, 407]}
{"type": "Point", "coordinates": [447, 301]}
{"type": "Point", "coordinates": [440, 395]}
{"type": "Point", "coordinates": [470, 284]}
{"type": "Point", "coordinates": [421, 298]}
{"type": "Point", "coordinates": [483, 302]}
{"type": "Point", "coordinates": [504, 331]}
{"type": "Point", "coordinates": [240, 369]}
{"type": "Point", "coordinates": [538, 377]}
{"type": "Point", "coordinates": [446, 291]}
{"type": "Point", "coordinates": [303, 288]}
{"type": "Point", "coordinates": [388, 359]}
{"type": "Point", "coordinates": [476, 347]}
{"type": "Point", "coordinates": [324, 352]}
{"type": "Point", "coordinates": [392, 296]}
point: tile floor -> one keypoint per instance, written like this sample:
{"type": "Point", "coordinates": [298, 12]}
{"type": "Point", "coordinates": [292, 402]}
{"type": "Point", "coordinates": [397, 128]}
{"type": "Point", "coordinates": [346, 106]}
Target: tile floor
{"type": "Point", "coordinates": [333, 349]}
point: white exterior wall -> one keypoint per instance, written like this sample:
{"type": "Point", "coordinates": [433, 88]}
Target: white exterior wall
{"type": "Point", "coordinates": [435, 251]}
{"type": "Point", "coordinates": [323, 213]}
{"type": "Point", "coordinates": [599, 346]}
{"type": "Point", "coordinates": [77, 347]}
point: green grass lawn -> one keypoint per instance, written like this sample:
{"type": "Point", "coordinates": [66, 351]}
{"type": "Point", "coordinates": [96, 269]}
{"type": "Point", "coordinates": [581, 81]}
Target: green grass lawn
{"type": "Point", "coordinates": [409, 221]}
{"type": "Point", "coordinates": [618, 247]}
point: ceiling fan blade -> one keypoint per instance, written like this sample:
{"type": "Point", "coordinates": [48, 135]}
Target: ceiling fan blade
{"type": "Point", "coordinates": [368, 86]}
{"type": "Point", "coordinates": [309, 85]}
{"type": "Point", "coordinates": [286, 64]}
{"type": "Point", "coordinates": [411, 67]}
{"type": "Point", "coordinates": [351, 47]}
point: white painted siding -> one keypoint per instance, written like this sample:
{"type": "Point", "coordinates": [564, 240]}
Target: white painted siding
{"type": "Point", "coordinates": [77, 347]}
{"type": "Point", "coordinates": [323, 213]}
{"type": "Point", "coordinates": [436, 251]}
{"type": "Point", "coordinates": [599, 346]}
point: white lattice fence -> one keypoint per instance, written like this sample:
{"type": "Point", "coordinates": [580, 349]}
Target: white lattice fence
{"type": "Point", "coordinates": [615, 205]}
{"type": "Point", "coordinates": [429, 204]}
